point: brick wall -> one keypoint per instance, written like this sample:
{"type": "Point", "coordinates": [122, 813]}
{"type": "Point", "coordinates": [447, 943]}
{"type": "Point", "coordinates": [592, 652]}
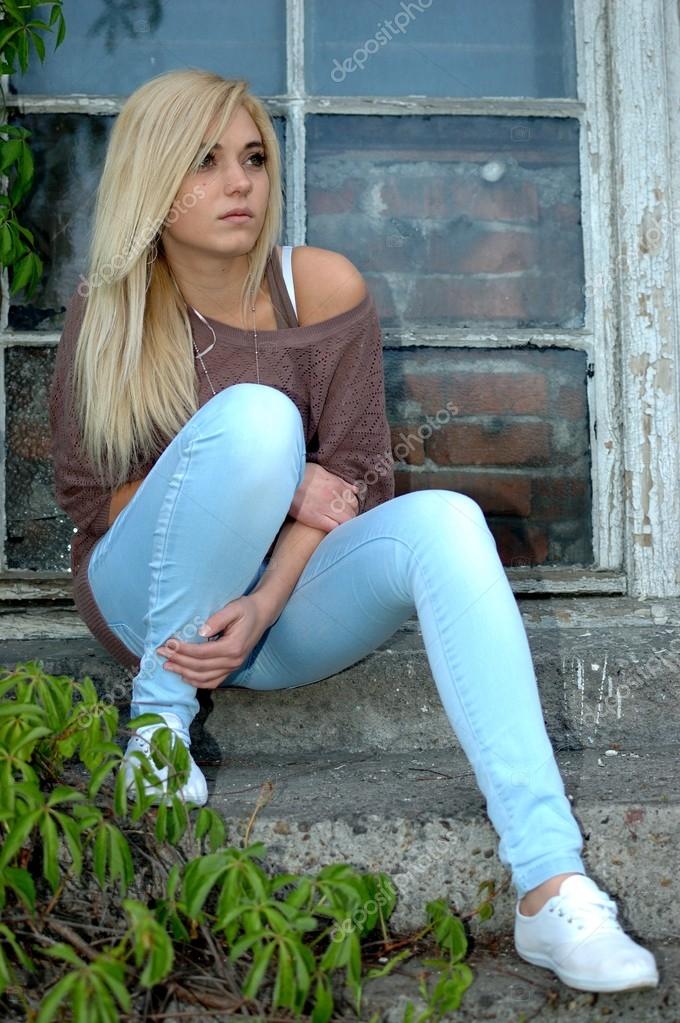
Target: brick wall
{"type": "Point", "coordinates": [471, 222]}
{"type": "Point", "coordinates": [459, 221]}
{"type": "Point", "coordinates": [508, 428]}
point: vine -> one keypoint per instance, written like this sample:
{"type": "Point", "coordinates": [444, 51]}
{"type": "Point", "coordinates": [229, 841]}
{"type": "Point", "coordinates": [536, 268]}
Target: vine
{"type": "Point", "coordinates": [112, 907]}
{"type": "Point", "coordinates": [19, 32]}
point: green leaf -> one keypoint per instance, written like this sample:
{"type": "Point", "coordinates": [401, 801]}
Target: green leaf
{"type": "Point", "coordinates": [48, 830]}
{"type": "Point", "coordinates": [13, 9]}
{"type": "Point", "coordinates": [323, 1001]}
{"type": "Point", "coordinates": [17, 836]}
{"type": "Point", "coordinates": [54, 997]}
{"type": "Point", "coordinates": [99, 855]}
{"type": "Point", "coordinates": [99, 776]}
{"type": "Point", "coordinates": [26, 165]}
{"type": "Point", "coordinates": [5, 37]}
{"type": "Point", "coordinates": [39, 46]}
{"type": "Point", "coordinates": [255, 977]}
{"type": "Point", "coordinates": [71, 833]}
{"type": "Point", "coordinates": [22, 49]}
{"type": "Point", "coordinates": [60, 950]}
{"type": "Point", "coordinates": [6, 244]}
{"type": "Point", "coordinates": [405, 953]}
{"type": "Point", "coordinates": [448, 929]}
{"type": "Point", "coordinates": [486, 911]}
{"type": "Point", "coordinates": [200, 876]}
{"type": "Point", "coordinates": [22, 273]}
{"type": "Point", "coordinates": [10, 153]}
{"type": "Point", "coordinates": [120, 798]}
{"type": "Point", "coordinates": [120, 858]}
{"type": "Point", "coordinates": [61, 33]}
{"type": "Point", "coordinates": [22, 884]}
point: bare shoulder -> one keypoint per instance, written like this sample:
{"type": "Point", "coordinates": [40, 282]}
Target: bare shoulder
{"type": "Point", "coordinates": [326, 284]}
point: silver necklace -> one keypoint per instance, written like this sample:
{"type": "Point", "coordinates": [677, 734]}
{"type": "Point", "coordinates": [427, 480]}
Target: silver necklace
{"type": "Point", "coordinates": [199, 355]}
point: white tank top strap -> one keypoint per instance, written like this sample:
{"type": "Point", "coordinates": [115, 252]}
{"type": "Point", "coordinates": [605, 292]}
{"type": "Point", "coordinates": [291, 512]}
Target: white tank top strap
{"type": "Point", "coordinates": [287, 267]}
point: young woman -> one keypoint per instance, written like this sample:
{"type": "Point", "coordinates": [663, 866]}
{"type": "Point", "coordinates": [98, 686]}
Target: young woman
{"type": "Point", "coordinates": [220, 440]}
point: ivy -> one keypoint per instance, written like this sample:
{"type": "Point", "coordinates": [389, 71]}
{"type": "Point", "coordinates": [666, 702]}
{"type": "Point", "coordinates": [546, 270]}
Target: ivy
{"type": "Point", "coordinates": [20, 32]}
{"type": "Point", "coordinates": [112, 905]}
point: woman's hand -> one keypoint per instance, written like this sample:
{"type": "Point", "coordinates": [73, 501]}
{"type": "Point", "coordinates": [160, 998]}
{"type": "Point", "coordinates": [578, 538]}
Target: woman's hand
{"type": "Point", "coordinates": [323, 500]}
{"type": "Point", "coordinates": [205, 665]}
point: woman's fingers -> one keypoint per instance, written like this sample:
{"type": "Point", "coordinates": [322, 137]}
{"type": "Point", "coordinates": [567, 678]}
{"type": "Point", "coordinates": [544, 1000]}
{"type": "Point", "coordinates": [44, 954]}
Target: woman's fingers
{"type": "Point", "coordinates": [202, 681]}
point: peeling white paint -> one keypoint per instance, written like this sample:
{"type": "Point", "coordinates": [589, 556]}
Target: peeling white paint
{"type": "Point", "coordinates": [644, 46]}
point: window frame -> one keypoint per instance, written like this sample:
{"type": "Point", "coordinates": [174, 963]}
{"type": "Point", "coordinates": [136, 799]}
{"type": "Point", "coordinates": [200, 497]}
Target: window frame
{"type": "Point", "coordinates": [598, 338]}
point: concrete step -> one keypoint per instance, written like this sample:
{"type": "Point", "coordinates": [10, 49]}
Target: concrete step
{"type": "Point", "coordinates": [608, 671]}
{"type": "Point", "coordinates": [421, 818]}
{"type": "Point", "coordinates": [505, 989]}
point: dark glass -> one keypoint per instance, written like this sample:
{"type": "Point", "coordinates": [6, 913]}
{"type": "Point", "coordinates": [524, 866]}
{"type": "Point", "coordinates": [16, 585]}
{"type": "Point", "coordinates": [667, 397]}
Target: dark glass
{"type": "Point", "coordinates": [38, 532]}
{"type": "Point", "coordinates": [69, 152]}
{"type": "Point", "coordinates": [454, 221]}
{"type": "Point", "coordinates": [465, 49]}
{"type": "Point", "coordinates": [508, 428]}
{"type": "Point", "coordinates": [112, 46]}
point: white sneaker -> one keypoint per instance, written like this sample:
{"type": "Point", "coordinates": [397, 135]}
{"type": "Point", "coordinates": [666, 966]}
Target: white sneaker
{"type": "Point", "coordinates": [577, 936]}
{"type": "Point", "coordinates": [195, 789]}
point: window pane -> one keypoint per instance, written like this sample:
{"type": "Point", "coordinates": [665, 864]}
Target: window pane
{"type": "Point", "coordinates": [112, 46]}
{"type": "Point", "coordinates": [467, 48]}
{"type": "Point", "coordinates": [455, 221]}
{"type": "Point", "coordinates": [38, 532]}
{"type": "Point", "coordinates": [508, 428]}
{"type": "Point", "coordinates": [69, 151]}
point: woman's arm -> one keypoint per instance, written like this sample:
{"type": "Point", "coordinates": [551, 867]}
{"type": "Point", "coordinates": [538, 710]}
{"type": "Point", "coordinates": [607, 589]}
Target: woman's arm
{"type": "Point", "coordinates": [294, 547]}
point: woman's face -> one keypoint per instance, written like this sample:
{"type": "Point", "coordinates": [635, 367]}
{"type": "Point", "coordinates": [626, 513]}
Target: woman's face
{"type": "Point", "coordinates": [233, 176]}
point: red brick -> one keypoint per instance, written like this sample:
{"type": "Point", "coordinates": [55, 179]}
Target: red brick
{"type": "Point", "coordinates": [407, 436]}
{"type": "Point", "coordinates": [565, 213]}
{"type": "Point", "coordinates": [345, 199]}
{"type": "Point", "coordinates": [454, 195]}
{"type": "Point", "coordinates": [484, 252]}
{"type": "Point", "coordinates": [494, 493]}
{"type": "Point", "coordinates": [561, 498]}
{"type": "Point", "coordinates": [382, 296]}
{"type": "Point", "coordinates": [478, 393]}
{"type": "Point", "coordinates": [571, 403]}
{"type": "Point", "coordinates": [501, 300]}
{"type": "Point", "coordinates": [519, 544]}
{"type": "Point", "coordinates": [475, 444]}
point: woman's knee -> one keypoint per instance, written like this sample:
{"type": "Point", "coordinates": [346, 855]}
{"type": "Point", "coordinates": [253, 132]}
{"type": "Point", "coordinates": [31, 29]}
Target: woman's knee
{"type": "Point", "coordinates": [447, 510]}
{"type": "Point", "coordinates": [256, 413]}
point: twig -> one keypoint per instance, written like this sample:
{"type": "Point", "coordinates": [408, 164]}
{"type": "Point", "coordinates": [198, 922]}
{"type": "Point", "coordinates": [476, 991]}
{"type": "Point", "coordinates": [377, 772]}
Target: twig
{"type": "Point", "coordinates": [207, 1000]}
{"type": "Point", "coordinates": [266, 789]}
{"type": "Point", "coordinates": [64, 931]}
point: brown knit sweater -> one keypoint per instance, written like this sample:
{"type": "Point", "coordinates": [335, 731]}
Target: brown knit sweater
{"type": "Point", "coordinates": [333, 371]}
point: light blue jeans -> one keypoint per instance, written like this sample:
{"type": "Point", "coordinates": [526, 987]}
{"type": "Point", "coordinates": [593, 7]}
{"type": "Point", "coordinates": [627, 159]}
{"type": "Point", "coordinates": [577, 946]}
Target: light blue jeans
{"type": "Point", "coordinates": [194, 537]}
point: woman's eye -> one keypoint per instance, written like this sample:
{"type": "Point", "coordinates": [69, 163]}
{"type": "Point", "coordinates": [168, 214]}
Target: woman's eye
{"type": "Point", "coordinates": [260, 159]}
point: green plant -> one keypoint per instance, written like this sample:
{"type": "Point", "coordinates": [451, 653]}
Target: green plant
{"type": "Point", "coordinates": [18, 31]}
{"type": "Point", "coordinates": [111, 904]}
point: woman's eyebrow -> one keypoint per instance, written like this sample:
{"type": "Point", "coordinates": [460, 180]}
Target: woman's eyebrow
{"type": "Point", "coordinates": [255, 144]}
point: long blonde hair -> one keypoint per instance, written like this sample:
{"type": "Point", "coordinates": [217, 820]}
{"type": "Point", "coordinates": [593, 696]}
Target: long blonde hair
{"type": "Point", "coordinates": [134, 379]}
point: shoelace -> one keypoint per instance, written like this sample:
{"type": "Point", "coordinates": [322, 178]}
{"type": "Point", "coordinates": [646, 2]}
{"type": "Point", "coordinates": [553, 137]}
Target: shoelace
{"type": "Point", "coordinates": [599, 910]}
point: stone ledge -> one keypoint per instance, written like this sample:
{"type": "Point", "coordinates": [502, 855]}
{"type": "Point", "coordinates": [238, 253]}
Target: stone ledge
{"type": "Point", "coordinates": [421, 818]}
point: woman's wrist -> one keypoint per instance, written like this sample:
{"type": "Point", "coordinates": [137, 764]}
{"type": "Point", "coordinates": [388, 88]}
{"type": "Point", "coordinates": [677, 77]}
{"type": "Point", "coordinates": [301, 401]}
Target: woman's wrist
{"type": "Point", "coordinates": [269, 603]}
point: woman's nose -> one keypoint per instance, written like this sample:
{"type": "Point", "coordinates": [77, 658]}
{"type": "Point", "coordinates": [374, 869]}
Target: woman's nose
{"type": "Point", "coordinates": [236, 179]}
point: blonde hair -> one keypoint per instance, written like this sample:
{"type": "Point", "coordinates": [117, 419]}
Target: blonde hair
{"type": "Point", "coordinates": [134, 379]}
